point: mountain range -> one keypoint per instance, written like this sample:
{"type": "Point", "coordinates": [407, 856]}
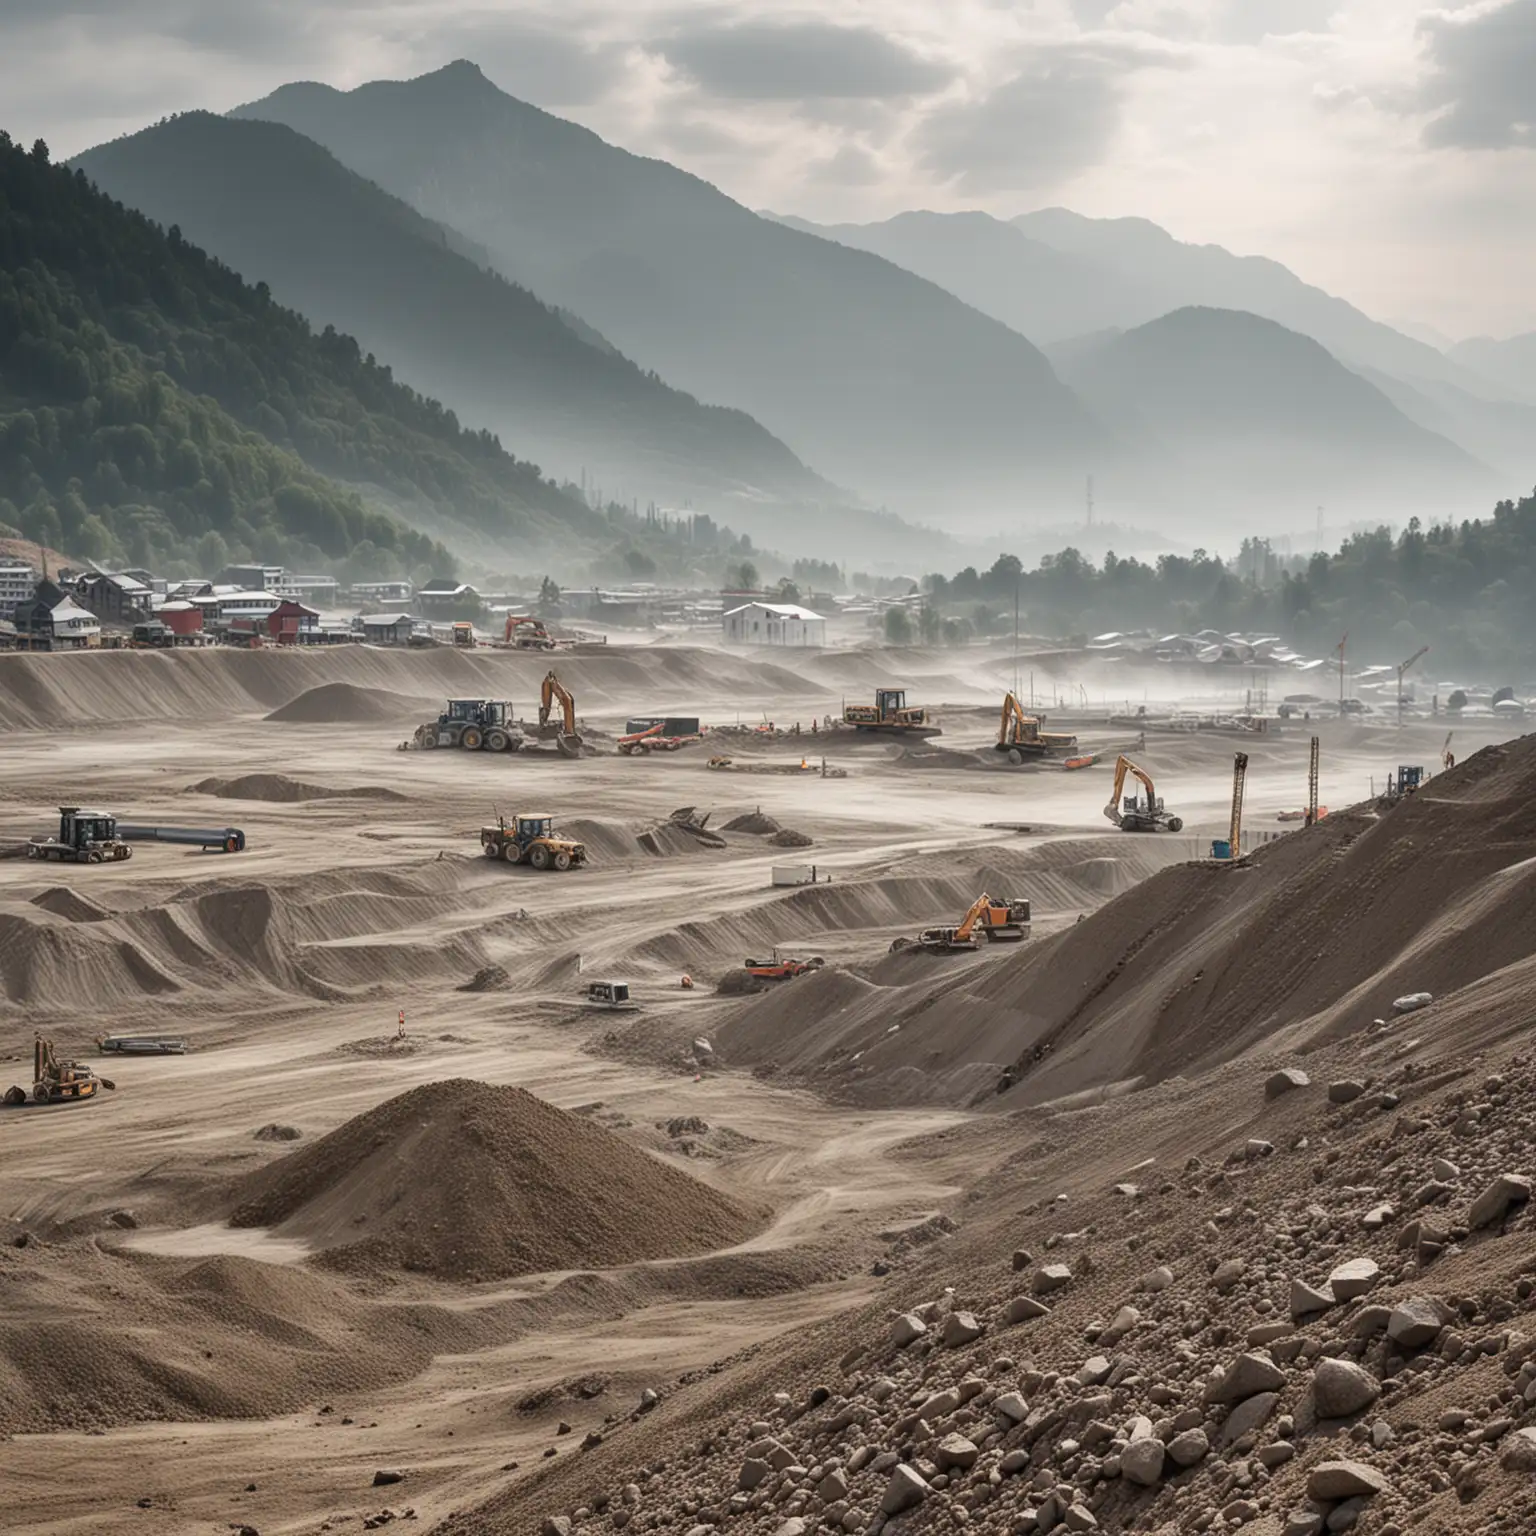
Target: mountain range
{"type": "Point", "coordinates": [880, 379]}
{"type": "Point", "coordinates": [276, 205]}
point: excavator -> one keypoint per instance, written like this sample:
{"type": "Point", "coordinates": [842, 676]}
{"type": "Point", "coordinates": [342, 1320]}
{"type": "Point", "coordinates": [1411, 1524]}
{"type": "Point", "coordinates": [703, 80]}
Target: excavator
{"type": "Point", "coordinates": [527, 633]}
{"type": "Point", "coordinates": [55, 1081]}
{"type": "Point", "coordinates": [1002, 922]}
{"type": "Point", "coordinates": [1020, 736]}
{"type": "Point", "coordinates": [1132, 814]}
{"type": "Point", "coordinates": [566, 737]}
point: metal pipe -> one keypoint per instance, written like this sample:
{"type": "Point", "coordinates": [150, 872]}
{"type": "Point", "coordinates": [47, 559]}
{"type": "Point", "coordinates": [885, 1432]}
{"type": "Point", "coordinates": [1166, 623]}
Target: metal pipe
{"type": "Point", "coordinates": [225, 839]}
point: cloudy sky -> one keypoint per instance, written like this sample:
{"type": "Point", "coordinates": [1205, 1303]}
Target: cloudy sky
{"type": "Point", "coordinates": [1384, 150]}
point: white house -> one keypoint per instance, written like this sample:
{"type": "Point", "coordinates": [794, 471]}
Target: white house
{"type": "Point", "coordinates": [783, 624]}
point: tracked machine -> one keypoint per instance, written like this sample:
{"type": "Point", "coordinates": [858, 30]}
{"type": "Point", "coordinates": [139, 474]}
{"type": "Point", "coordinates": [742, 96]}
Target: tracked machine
{"type": "Point", "coordinates": [998, 921]}
{"type": "Point", "coordinates": [1134, 814]}
{"type": "Point", "coordinates": [563, 732]}
{"type": "Point", "coordinates": [55, 1081]}
{"type": "Point", "coordinates": [524, 632]}
{"type": "Point", "coordinates": [890, 715]}
{"type": "Point", "coordinates": [1020, 736]}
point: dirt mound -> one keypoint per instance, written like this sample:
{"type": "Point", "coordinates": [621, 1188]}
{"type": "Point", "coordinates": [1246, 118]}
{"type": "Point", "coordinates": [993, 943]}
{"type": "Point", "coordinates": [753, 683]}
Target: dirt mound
{"type": "Point", "coordinates": [753, 821]}
{"type": "Point", "coordinates": [70, 905]}
{"type": "Point", "coordinates": [341, 703]}
{"type": "Point", "coordinates": [489, 978]}
{"type": "Point", "coordinates": [276, 1132]}
{"type": "Point", "coordinates": [279, 789]}
{"type": "Point", "coordinates": [787, 837]}
{"type": "Point", "coordinates": [467, 1181]}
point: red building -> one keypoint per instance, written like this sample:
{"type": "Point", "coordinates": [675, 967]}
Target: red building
{"type": "Point", "coordinates": [181, 618]}
{"type": "Point", "coordinates": [289, 621]}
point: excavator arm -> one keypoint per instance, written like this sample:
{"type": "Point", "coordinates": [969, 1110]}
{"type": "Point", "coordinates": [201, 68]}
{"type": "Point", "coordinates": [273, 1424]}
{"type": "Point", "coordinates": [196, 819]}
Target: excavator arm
{"type": "Point", "coordinates": [1012, 728]}
{"type": "Point", "coordinates": [1123, 767]}
{"type": "Point", "coordinates": [971, 918]}
{"type": "Point", "coordinates": [552, 690]}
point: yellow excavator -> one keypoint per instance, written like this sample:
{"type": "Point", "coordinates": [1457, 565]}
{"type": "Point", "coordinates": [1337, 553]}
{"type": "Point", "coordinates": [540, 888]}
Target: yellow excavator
{"type": "Point", "coordinates": [566, 737]}
{"type": "Point", "coordinates": [1020, 736]}
{"type": "Point", "coordinates": [1132, 813]}
{"type": "Point", "coordinates": [1002, 922]}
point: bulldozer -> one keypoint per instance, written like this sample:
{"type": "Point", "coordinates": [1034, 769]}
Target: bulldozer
{"type": "Point", "coordinates": [1133, 814]}
{"type": "Point", "coordinates": [1020, 736]}
{"type": "Point", "coordinates": [55, 1081]}
{"type": "Point", "coordinates": [527, 633]}
{"type": "Point", "coordinates": [890, 715]}
{"type": "Point", "coordinates": [531, 840]}
{"type": "Point", "coordinates": [476, 725]}
{"type": "Point", "coordinates": [1000, 921]}
{"type": "Point", "coordinates": [566, 737]}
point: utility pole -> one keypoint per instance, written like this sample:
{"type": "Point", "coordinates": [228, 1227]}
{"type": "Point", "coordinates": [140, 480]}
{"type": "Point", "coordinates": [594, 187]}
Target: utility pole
{"type": "Point", "coordinates": [1090, 501]}
{"type": "Point", "coordinates": [1340, 649]}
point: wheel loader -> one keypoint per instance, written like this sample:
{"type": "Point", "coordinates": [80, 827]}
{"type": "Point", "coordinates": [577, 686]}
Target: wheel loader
{"type": "Point", "coordinates": [531, 840]}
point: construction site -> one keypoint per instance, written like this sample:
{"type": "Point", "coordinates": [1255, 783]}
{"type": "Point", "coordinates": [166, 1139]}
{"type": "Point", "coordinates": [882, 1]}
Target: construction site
{"type": "Point", "coordinates": [653, 1087]}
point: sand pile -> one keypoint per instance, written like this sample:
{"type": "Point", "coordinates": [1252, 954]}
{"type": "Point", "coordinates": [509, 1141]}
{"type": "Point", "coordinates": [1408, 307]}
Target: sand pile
{"type": "Point", "coordinates": [489, 978]}
{"type": "Point", "coordinates": [341, 704]}
{"type": "Point", "coordinates": [787, 837]}
{"type": "Point", "coordinates": [467, 1181]}
{"type": "Point", "coordinates": [279, 789]}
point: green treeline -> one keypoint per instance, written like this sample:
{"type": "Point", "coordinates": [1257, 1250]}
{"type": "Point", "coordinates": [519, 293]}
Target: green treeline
{"type": "Point", "coordinates": [1464, 589]}
{"type": "Point", "coordinates": [157, 410]}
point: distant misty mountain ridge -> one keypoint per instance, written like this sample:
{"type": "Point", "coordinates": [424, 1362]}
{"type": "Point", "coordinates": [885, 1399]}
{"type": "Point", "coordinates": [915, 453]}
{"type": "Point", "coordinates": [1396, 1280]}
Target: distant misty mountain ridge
{"type": "Point", "coordinates": [966, 373]}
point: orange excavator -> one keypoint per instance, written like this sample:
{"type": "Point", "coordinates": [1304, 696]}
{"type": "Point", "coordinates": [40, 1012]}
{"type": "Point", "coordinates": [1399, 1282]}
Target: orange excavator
{"type": "Point", "coordinates": [566, 737]}
{"type": "Point", "coordinates": [1002, 922]}
{"type": "Point", "coordinates": [1020, 736]}
{"type": "Point", "coordinates": [1133, 814]}
{"type": "Point", "coordinates": [527, 633]}
{"type": "Point", "coordinates": [781, 967]}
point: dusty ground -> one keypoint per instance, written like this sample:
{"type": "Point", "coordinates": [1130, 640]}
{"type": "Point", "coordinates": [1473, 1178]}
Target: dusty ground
{"type": "Point", "coordinates": [287, 967]}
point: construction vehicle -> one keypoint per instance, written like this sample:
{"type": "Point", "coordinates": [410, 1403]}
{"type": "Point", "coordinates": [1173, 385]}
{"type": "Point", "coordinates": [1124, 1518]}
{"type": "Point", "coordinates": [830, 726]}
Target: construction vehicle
{"type": "Point", "coordinates": [1407, 780]}
{"type": "Point", "coordinates": [55, 1081]}
{"type": "Point", "coordinates": [781, 967]}
{"type": "Point", "coordinates": [527, 633]}
{"type": "Point", "coordinates": [890, 715]}
{"type": "Point", "coordinates": [464, 635]}
{"type": "Point", "coordinates": [1020, 736]}
{"type": "Point", "coordinates": [1000, 921]}
{"type": "Point", "coordinates": [1422, 651]}
{"type": "Point", "coordinates": [152, 635]}
{"type": "Point", "coordinates": [476, 725]}
{"type": "Point", "coordinates": [566, 737]}
{"type": "Point", "coordinates": [531, 840]}
{"type": "Point", "coordinates": [609, 997]}
{"type": "Point", "coordinates": [141, 1045]}
{"type": "Point", "coordinates": [1132, 814]}
{"type": "Point", "coordinates": [96, 837]}
{"type": "Point", "coordinates": [1447, 757]}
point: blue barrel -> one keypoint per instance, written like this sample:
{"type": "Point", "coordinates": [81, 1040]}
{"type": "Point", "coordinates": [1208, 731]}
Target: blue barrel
{"type": "Point", "coordinates": [1221, 849]}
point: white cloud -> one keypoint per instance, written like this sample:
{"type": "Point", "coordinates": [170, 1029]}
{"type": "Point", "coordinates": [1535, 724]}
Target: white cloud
{"type": "Point", "coordinates": [1378, 147]}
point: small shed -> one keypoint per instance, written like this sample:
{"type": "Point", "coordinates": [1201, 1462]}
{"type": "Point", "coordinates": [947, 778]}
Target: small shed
{"type": "Point", "coordinates": [386, 628]}
{"type": "Point", "coordinates": [775, 624]}
{"type": "Point", "coordinates": [291, 621]}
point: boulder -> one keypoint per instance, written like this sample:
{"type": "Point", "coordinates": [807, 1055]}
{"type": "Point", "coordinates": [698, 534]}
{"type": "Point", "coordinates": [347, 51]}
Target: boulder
{"type": "Point", "coordinates": [955, 1451]}
{"type": "Point", "coordinates": [1050, 1277]}
{"type": "Point", "coordinates": [1340, 1388]}
{"type": "Point", "coordinates": [960, 1328]}
{"type": "Point", "coordinates": [1412, 1002]}
{"type": "Point", "coordinates": [1284, 1081]}
{"type": "Point", "coordinates": [1250, 1414]}
{"type": "Point", "coordinates": [906, 1490]}
{"type": "Point", "coordinates": [1353, 1278]}
{"type": "Point", "coordinates": [1189, 1448]}
{"type": "Point", "coordinates": [1417, 1321]}
{"type": "Point", "coordinates": [1490, 1206]}
{"type": "Point", "coordinates": [1305, 1301]}
{"type": "Point", "coordinates": [907, 1328]}
{"type": "Point", "coordinates": [1228, 1274]}
{"type": "Point", "coordinates": [1023, 1308]}
{"type": "Point", "coordinates": [1331, 1481]}
{"type": "Point", "coordinates": [1247, 1376]}
{"type": "Point", "coordinates": [1011, 1406]}
{"type": "Point", "coordinates": [1345, 1091]}
{"type": "Point", "coordinates": [1518, 1453]}
{"type": "Point", "coordinates": [1158, 1279]}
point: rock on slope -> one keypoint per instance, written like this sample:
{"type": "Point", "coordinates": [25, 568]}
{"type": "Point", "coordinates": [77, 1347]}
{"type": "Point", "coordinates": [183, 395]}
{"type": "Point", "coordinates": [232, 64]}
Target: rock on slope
{"type": "Point", "coordinates": [467, 1181]}
{"type": "Point", "coordinates": [1304, 1315]}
